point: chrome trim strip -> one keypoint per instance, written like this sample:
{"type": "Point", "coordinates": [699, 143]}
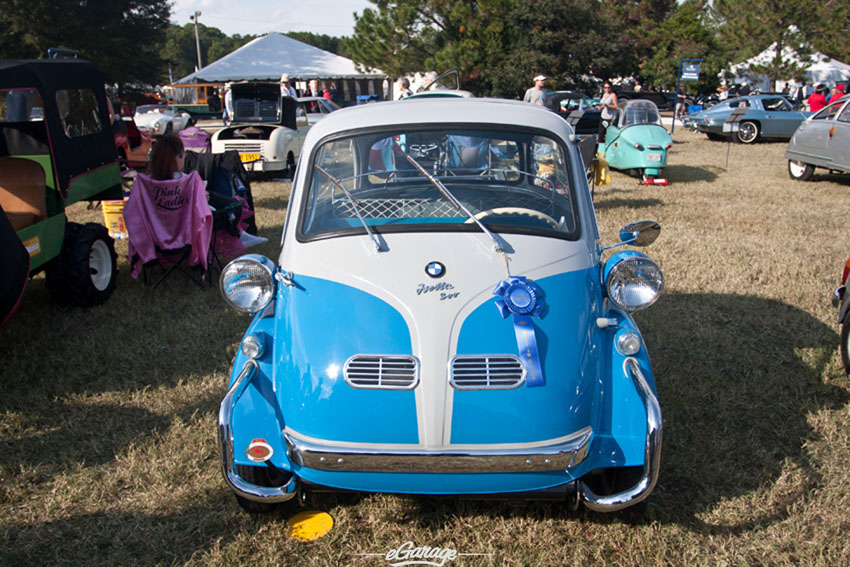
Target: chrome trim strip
{"type": "Point", "coordinates": [652, 452]}
{"type": "Point", "coordinates": [380, 377]}
{"type": "Point", "coordinates": [487, 358]}
{"type": "Point", "coordinates": [334, 458]}
{"type": "Point", "coordinates": [225, 445]}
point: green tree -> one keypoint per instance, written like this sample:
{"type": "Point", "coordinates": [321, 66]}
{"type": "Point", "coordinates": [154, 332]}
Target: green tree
{"type": "Point", "coordinates": [750, 26]}
{"type": "Point", "coordinates": [633, 32]}
{"type": "Point", "coordinates": [567, 40]}
{"type": "Point", "coordinates": [122, 37]}
{"type": "Point", "coordinates": [831, 35]}
{"type": "Point", "coordinates": [498, 45]}
{"type": "Point", "coordinates": [685, 34]}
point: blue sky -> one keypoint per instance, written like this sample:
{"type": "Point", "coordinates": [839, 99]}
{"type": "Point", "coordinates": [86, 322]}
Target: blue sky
{"type": "Point", "coordinates": [330, 17]}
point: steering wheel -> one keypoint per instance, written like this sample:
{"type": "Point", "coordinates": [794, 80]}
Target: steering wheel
{"type": "Point", "coordinates": [519, 211]}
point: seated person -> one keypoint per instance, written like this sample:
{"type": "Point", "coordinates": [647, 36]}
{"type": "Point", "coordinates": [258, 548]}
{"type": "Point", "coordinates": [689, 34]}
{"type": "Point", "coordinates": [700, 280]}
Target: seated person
{"type": "Point", "coordinates": [166, 162]}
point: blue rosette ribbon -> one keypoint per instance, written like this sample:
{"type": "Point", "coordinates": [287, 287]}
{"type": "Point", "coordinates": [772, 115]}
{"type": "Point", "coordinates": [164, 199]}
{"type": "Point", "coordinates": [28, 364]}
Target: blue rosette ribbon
{"type": "Point", "coordinates": [523, 299]}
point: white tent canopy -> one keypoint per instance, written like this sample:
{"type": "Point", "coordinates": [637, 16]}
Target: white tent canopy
{"type": "Point", "coordinates": [266, 58]}
{"type": "Point", "coordinates": [819, 68]}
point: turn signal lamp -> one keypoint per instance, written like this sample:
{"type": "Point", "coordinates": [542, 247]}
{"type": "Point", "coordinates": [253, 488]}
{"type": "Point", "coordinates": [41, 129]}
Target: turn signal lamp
{"type": "Point", "coordinates": [846, 272]}
{"type": "Point", "coordinates": [259, 451]}
{"type": "Point", "coordinates": [628, 343]}
{"type": "Point", "coordinates": [252, 346]}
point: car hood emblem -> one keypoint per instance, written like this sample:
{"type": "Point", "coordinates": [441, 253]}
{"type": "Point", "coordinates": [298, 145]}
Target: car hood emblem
{"type": "Point", "coordinates": [435, 269]}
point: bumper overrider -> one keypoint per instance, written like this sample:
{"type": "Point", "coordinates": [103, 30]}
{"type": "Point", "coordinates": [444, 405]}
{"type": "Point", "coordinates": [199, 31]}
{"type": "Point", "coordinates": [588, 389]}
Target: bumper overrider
{"type": "Point", "coordinates": [561, 455]}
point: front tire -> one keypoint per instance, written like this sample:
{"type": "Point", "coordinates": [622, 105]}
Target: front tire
{"type": "Point", "coordinates": [800, 171]}
{"type": "Point", "coordinates": [84, 273]}
{"type": "Point", "coordinates": [748, 132]}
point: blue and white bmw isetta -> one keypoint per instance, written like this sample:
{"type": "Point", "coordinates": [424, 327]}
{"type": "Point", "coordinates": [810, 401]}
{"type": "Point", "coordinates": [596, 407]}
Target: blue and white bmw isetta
{"type": "Point", "coordinates": [441, 320]}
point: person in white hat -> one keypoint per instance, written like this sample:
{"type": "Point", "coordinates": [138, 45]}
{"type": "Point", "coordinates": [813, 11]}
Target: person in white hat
{"type": "Point", "coordinates": [536, 94]}
{"type": "Point", "coordinates": [286, 89]}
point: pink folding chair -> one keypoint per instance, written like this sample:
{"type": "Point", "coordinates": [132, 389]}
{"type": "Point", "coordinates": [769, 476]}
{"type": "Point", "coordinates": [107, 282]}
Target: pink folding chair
{"type": "Point", "coordinates": [169, 224]}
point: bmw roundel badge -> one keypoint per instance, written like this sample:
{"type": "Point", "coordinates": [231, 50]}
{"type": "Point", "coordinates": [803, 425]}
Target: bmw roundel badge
{"type": "Point", "coordinates": [435, 269]}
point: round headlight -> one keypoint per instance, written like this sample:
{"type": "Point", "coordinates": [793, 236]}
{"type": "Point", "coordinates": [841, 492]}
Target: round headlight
{"type": "Point", "coordinates": [634, 282]}
{"type": "Point", "coordinates": [247, 282]}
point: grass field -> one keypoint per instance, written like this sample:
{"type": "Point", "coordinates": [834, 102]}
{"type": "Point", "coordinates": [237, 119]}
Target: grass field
{"type": "Point", "coordinates": [107, 415]}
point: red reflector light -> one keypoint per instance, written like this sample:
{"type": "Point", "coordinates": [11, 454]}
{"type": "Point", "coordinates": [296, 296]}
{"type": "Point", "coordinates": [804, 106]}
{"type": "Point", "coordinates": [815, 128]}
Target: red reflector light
{"type": "Point", "coordinates": [668, 146]}
{"type": "Point", "coordinates": [259, 451]}
{"type": "Point", "coordinates": [846, 272]}
{"type": "Point", "coordinates": [654, 182]}
{"type": "Point", "coordinates": [638, 147]}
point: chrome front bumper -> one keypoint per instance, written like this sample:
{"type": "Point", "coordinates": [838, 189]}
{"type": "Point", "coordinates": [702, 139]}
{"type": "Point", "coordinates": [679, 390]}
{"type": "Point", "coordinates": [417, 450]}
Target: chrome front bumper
{"type": "Point", "coordinates": [225, 442]}
{"type": "Point", "coordinates": [566, 453]}
{"type": "Point", "coordinates": [652, 453]}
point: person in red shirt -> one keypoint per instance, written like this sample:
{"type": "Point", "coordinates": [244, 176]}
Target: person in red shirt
{"type": "Point", "coordinates": [817, 100]}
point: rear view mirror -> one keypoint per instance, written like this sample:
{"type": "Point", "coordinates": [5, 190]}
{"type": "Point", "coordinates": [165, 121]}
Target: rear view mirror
{"type": "Point", "coordinates": [640, 233]}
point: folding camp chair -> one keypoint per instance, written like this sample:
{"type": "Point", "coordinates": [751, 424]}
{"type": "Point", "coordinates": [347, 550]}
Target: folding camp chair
{"type": "Point", "coordinates": [169, 225]}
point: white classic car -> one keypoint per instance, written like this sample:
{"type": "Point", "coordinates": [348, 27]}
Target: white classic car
{"type": "Point", "coordinates": [267, 130]}
{"type": "Point", "coordinates": [161, 119]}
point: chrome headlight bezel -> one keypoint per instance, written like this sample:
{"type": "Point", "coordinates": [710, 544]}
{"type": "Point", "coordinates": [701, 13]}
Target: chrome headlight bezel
{"type": "Point", "coordinates": [247, 283]}
{"type": "Point", "coordinates": [632, 280]}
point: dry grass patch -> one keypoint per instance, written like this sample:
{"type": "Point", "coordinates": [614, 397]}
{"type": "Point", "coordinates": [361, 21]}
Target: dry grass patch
{"type": "Point", "coordinates": [107, 415]}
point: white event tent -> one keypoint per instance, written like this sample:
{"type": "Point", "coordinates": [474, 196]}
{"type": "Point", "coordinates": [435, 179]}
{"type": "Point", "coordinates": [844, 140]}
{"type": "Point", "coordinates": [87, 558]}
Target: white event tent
{"type": "Point", "coordinates": [267, 57]}
{"type": "Point", "coordinates": [818, 68]}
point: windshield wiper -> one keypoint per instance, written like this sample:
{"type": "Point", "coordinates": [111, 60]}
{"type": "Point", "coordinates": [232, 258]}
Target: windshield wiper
{"type": "Point", "coordinates": [354, 203]}
{"type": "Point", "coordinates": [456, 202]}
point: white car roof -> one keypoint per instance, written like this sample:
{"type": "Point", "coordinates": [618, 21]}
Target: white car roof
{"type": "Point", "coordinates": [466, 111]}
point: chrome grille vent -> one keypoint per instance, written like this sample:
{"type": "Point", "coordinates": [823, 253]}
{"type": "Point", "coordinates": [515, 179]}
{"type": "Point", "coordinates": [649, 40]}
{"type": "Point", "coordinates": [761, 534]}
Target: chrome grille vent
{"type": "Point", "coordinates": [487, 372]}
{"type": "Point", "coordinates": [243, 147]}
{"type": "Point", "coordinates": [382, 372]}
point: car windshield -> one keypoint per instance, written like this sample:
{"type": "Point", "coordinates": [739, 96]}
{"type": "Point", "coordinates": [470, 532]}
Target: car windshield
{"type": "Point", "coordinates": [145, 109]}
{"type": "Point", "coordinates": [639, 112]}
{"type": "Point", "coordinates": [513, 181]}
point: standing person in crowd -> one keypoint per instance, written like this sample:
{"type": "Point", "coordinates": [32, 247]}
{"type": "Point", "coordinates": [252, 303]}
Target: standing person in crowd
{"type": "Point", "coordinates": [286, 88]}
{"type": "Point", "coordinates": [536, 94]}
{"type": "Point", "coordinates": [808, 90]}
{"type": "Point", "coordinates": [334, 93]}
{"type": "Point", "coordinates": [405, 89]}
{"type": "Point", "coordinates": [608, 107]}
{"type": "Point", "coordinates": [227, 115]}
{"type": "Point", "coordinates": [817, 99]}
{"type": "Point", "coordinates": [837, 92]}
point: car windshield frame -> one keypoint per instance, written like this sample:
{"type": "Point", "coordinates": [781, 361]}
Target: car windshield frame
{"type": "Point", "coordinates": [639, 112]}
{"type": "Point", "coordinates": [395, 198]}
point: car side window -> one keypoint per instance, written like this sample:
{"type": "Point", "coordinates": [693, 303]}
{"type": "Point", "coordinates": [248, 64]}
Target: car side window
{"type": "Point", "coordinates": [79, 112]}
{"type": "Point", "coordinates": [776, 104]}
{"type": "Point", "coordinates": [845, 114]}
{"type": "Point", "coordinates": [828, 113]}
{"type": "Point", "coordinates": [21, 105]}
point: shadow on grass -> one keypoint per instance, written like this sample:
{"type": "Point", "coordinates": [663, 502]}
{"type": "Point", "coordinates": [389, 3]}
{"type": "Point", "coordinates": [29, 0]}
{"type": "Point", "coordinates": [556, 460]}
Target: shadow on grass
{"type": "Point", "coordinates": [738, 377]}
{"type": "Point", "coordinates": [691, 174]}
{"type": "Point", "coordinates": [277, 203]}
